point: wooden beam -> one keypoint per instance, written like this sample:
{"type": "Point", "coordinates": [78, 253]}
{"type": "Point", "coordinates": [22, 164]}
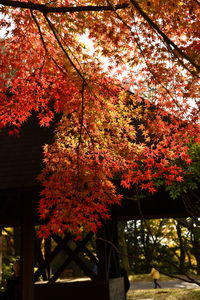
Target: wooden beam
{"type": "Point", "coordinates": [72, 255]}
{"type": "Point", "coordinates": [48, 260]}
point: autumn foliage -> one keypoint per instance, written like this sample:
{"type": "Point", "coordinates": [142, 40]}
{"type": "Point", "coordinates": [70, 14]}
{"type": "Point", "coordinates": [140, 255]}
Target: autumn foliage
{"type": "Point", "coordinates": [131, 118]}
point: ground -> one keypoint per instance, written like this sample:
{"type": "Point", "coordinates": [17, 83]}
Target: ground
{"type": "Point", "coordinates": [164, 294]}
{"type": "Point", "coordinates": [171, 290]}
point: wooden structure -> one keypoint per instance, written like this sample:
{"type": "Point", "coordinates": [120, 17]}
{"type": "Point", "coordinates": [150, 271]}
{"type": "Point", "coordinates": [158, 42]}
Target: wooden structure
{"type": "Point", "coordinates": [20, 163]}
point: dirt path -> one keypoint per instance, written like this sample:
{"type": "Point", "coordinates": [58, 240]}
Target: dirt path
{"type": "Point", "coordinates": [142, 285]}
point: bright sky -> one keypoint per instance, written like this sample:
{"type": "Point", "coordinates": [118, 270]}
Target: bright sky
{"type": "Point", "coordinates": [4, 30]}
{"type": "Point", "coordinates": [89, 48]}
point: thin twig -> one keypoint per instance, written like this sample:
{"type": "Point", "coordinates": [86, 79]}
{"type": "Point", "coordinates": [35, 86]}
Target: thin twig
{"type": "Point", "coordinates": [190, 279]}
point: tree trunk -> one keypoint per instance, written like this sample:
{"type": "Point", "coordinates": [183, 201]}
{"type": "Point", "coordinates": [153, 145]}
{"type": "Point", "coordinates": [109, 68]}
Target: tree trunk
{"type": "Point", "coordinates": [136, 267]}
{"type": "Point", "coordinates": [148, 251]}
{"type": "Point", "coordinates": [123, 246]}
{"type": "Point", "coordinates": [182, 249]}
{"type": "Point", "coordinates": [196, 247]}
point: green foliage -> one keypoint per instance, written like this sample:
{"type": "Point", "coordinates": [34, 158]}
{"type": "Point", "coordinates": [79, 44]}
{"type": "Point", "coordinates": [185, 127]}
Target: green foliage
{"type": "Point", "coordinates": [194, 167]}
{"type": "Point", "coordinates": [191, 176]}
{"type": "Point", "coordinates": [7, 270]}
{"type": "Point", "coordinates": [172, 245]}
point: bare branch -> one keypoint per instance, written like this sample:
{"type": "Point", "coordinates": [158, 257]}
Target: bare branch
{"type": "Point", "coordinates": [187, 279]}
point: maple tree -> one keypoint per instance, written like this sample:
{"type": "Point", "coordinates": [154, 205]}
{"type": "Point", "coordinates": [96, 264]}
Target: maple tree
{"type": "Point", "coordinates": [132, 119]}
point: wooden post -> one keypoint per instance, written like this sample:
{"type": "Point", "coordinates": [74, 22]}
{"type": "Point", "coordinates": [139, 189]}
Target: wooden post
{"type": "Point", "coordinates": [1, 254]}
{"type": "Point", "coordinates": [27, 250]}
{"type": "Point", "coordinates": [47, 247]}
{"type": "Point", "coordinates": [107, 250]}
{"type": "Point", "coordinates": [101, 250]}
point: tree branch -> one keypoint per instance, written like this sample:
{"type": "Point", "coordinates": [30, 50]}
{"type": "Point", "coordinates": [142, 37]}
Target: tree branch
{"type": "Point", "coordinates": [143, 56]}
{"type": "Point", "coordinates": [59, 9]}
{"type": "Point", "coordinates": [187, 279]}
{"type": "Point", "coordinates": [197, 2]}
{"type": "Point", "coordinates": [44, 44]}
{"type": "Point", "coordinates": [163, 35]}
{"type": "Point", "coordinates": [81, 131]}
{"type": "Point", "coordinates": [63, 49]}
